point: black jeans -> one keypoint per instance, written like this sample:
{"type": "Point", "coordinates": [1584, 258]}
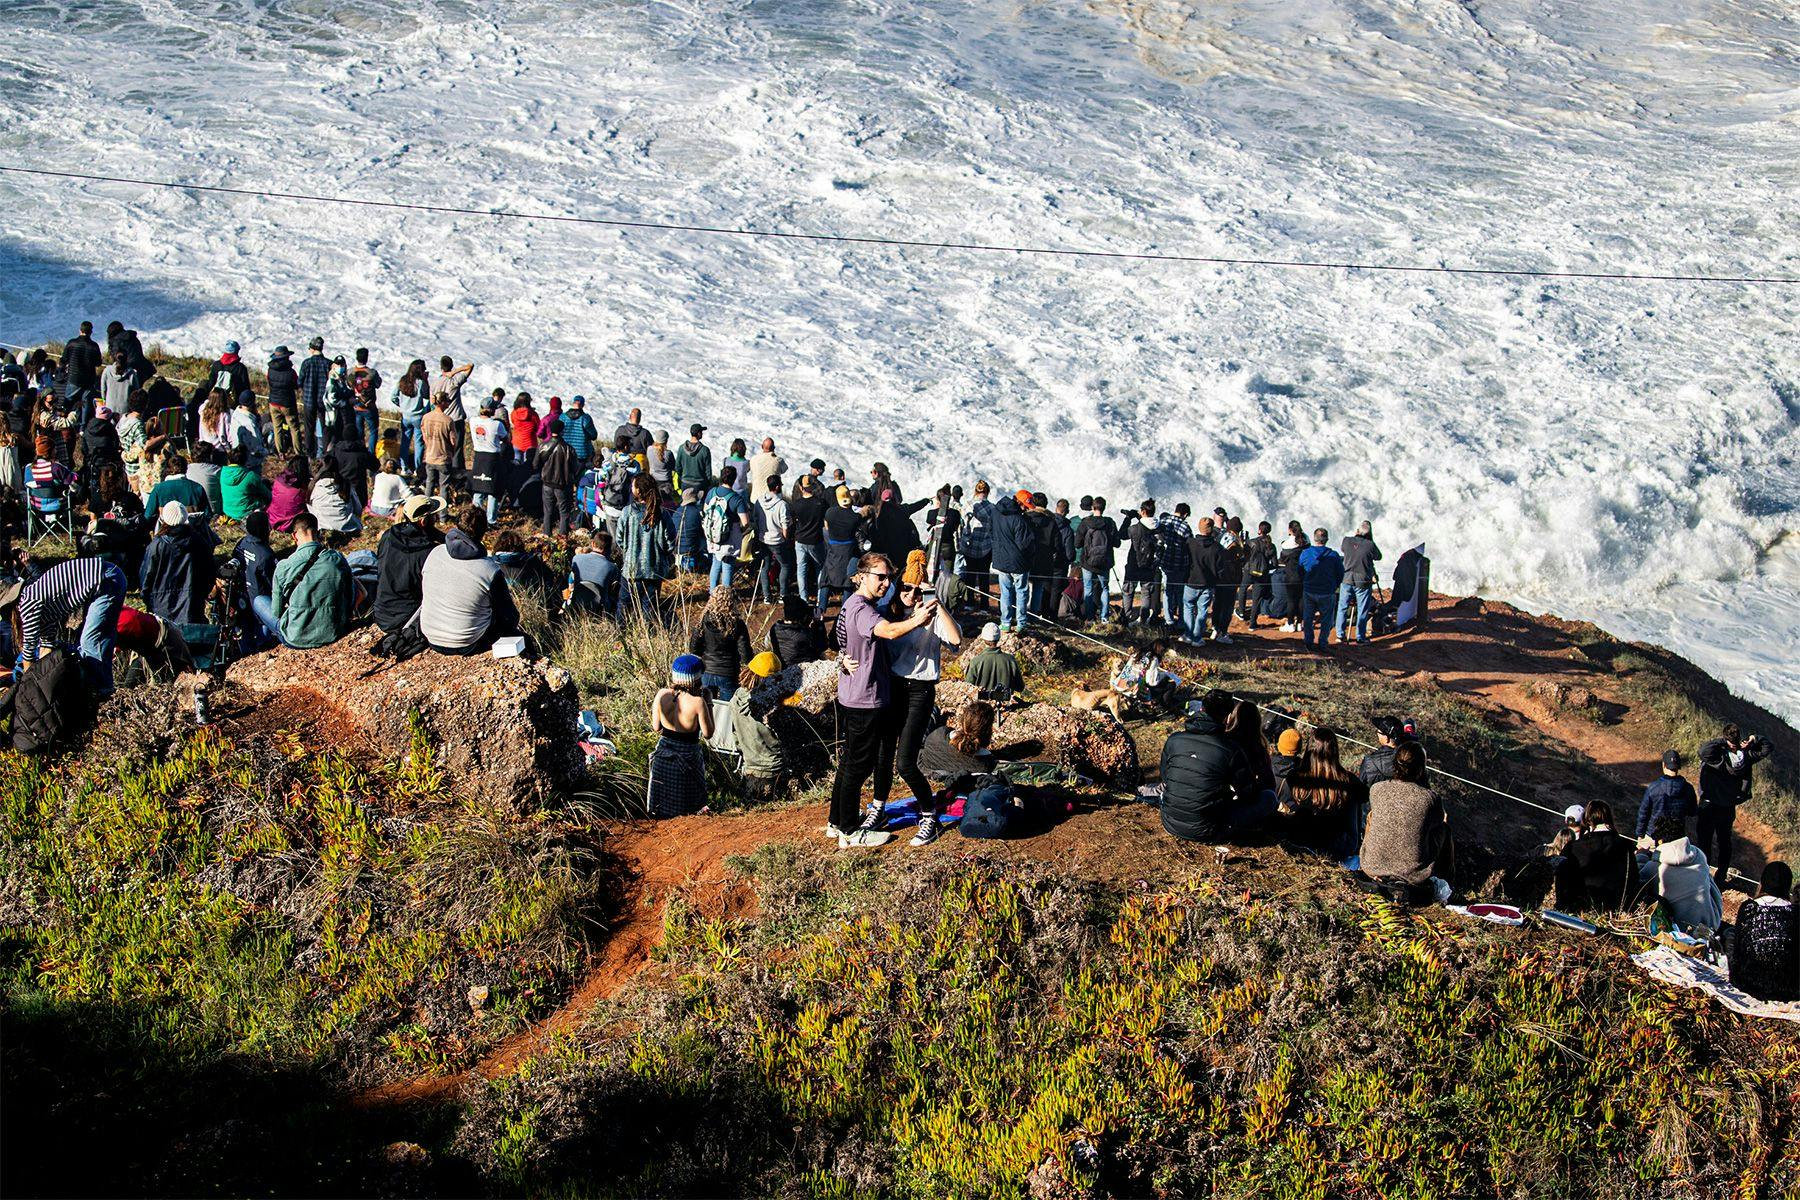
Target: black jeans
{"type": "Point", "coordinates": [1714, 824]}
{"type": "Point", "coordinates": [911, 704]}
{"type": "Point", "coordinates": [559, 504]}
{"type": "Point", "coordinates": [861, 735]}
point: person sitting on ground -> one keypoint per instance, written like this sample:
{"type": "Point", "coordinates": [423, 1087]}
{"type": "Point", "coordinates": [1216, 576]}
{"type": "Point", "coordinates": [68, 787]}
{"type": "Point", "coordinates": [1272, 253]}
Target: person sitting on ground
{"type": "Point", "coordinates": [956, 755]}
{"type": "Point", "coordinates": [527, 578]}
{"type": "Point", "coordinates": [255, 569]}
{"type": "Point", "coordinates": [205, 468]}
{"type": "Point", "coordinates": [764, 765]}
{"type": "Point", "coordinates": [722, 641]}
{"type": "Point", "coordinates": [464, 603]}
{"type": "Point", "coordinates": [799, 636]}
{"type": "Point", "coordinates": [241, 488]}
{"type": "Point", "coordinates": [993, 672]}
{"type": "Point", "coordinates": [1597, 872]}
{"type": "Point", "coordinates": [400, 562]}
{"type": "Point", "coordinates": [333, 502]}
{"type": "Point", "coordinates": [1210, 793]}
{"type": "Point", "coordinates": [310, 603]}
{"type": "Point", "coordinates": [1765, 949]}
{"type": "Point", "coordinates": [593, 575]}
{"type": "Point", "coordinates": [1681, 878]}
{"type": "Point", "coordinates": [1670, 795]}
{"type": "Point", "coordinates": [389, 491]}
{"type": "Point", "coordinates": [178, 575]}
{"type": "Point", "coordinates": [1319, 799]}
{"type": "Point", "coordinates": [290, 492]}
{"type": "Point", "coordinates": [681, 715]}
{"type": "Point", "coordinates": [178, 487]}
{"type": "Point", "coordinates": [1377, 765]}
{"type": "Point", "coordinates": [1407, 839]}
{"type": "Point", "coordinates": [1142, 679]}
{"type": "Point", "coordinates": [1244, 726]}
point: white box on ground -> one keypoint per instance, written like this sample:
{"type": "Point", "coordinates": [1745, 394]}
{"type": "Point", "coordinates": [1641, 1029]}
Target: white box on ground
{"type": "Point", "coordinates": [509, 647]}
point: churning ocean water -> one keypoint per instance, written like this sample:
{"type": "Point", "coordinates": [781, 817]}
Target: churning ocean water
{"type": "Point", "coordinates": [1623, 451]}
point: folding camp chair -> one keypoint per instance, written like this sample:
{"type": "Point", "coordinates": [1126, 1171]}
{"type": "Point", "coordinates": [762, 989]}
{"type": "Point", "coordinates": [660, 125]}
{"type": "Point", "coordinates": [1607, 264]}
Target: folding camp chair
{"type": "Point", "coordinates": [49, 509]}
{"type": "Point", "coordinates": [724, 738]}
{"type": "Point", "coordinates": [170, 424]}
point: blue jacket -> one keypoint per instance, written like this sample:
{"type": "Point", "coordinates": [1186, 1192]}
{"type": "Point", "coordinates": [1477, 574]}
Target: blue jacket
{"type": "Point", "coordinates": [1013, 543]}
{"type": "Point", "coordinates": [1321, 571]}
{"type": "Point", "coordinates": [1669, 796]}
{"type": "Point", "coordinates": [687, 531]}
{"type": "Point", "coordinates": [579, 432]}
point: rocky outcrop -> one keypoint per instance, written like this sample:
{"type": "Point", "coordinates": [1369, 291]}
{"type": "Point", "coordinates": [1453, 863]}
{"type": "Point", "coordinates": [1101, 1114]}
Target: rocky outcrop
{"type": "Point", "coordinates": [502, 729]}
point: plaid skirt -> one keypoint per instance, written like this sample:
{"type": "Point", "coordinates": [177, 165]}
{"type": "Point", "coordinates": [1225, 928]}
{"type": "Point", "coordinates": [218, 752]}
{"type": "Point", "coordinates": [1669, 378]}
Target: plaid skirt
{"type": "Point", "coordinates": [677, 778]}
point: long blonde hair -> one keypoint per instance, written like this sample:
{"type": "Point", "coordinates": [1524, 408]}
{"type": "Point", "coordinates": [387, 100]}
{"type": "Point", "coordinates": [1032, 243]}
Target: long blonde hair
{"type": "Point", "coordinates": [723, 611]}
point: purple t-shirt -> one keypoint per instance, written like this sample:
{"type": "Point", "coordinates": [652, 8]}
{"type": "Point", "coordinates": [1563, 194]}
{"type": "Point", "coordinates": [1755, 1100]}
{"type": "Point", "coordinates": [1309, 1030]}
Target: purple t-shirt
{"type": "Point", "coordinates": [867, 686]}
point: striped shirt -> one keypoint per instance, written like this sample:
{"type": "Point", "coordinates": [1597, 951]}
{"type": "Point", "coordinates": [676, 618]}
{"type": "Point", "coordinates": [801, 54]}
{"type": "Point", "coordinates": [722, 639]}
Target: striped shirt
{"type": "Point", "coordinates": [48, 601]}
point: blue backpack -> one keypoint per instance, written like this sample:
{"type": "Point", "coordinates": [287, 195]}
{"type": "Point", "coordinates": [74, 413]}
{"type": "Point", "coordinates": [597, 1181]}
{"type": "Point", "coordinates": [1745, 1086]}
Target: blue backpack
{"type": "Point", "coordinates": [587, 491]}
{"type": "Point", "coordinates": [989, 811]}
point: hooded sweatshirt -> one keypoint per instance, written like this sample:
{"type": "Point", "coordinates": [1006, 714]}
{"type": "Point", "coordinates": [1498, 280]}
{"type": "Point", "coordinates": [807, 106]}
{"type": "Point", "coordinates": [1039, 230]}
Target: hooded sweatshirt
{"type": "Point", "coordinates": [231, 376]}
{"type": "Point", "coordinates": [1683, 879]}
{"type": "Point", "coordinates": [400, 559]}
{"type": "Point", "coordinates": [462, 594]}
{"type": "Point", "coordinates": [1012, 540]}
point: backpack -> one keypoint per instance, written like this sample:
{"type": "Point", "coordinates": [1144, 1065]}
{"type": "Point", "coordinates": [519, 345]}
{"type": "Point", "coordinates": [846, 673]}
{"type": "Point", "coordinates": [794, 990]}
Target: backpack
{"type": "Point", "coordinates": [51, 701]}
{"type": "Point", "coordinates": [988, 811]}
{"type": "Point", "coordinates": [618, 486]}
{"type": "Point", "coordinates": [1096, 544]}
{"type": "Point", "coordinates": [587, 493]}
{"type": "Point", "coordinates": [715, 519]}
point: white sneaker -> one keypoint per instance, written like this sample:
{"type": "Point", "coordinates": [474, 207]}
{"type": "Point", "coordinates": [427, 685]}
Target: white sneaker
{"type": "Point", "coordinates": [864, 838]}
{"type": "Point", "coordinates": [927, 833]}
{"type": "Point", "coordinates": [831, 831]}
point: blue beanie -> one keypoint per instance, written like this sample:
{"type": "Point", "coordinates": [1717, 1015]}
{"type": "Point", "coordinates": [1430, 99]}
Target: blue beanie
{"type": "Point", "coordinates": [686, 669]}
{"type": "Point", "coordinates": [231, 347]}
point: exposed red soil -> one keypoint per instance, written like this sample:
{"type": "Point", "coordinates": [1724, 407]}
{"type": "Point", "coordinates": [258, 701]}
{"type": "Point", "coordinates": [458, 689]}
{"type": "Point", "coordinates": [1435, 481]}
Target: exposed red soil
{"type": "Point", "coordinates": [1488, 654]}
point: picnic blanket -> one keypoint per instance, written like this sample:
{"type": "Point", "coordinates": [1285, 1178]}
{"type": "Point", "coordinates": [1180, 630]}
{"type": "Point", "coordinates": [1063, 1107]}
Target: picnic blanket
{"type": "Point", "coordinates": [1682, 971]}
{"type": "Point", "coordinates": [902, 813]}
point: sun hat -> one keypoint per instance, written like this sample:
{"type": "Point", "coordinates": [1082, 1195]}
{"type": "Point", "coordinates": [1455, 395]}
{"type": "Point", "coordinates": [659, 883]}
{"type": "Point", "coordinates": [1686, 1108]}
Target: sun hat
{"type": "Point", "coordinates": [9, 595]}
{"type": "Point", "coordinates": [764, 665]}
{"type": "Point", "coordinates": [421, 506]}
{"type": "Point", "coordinates": [686, 669]}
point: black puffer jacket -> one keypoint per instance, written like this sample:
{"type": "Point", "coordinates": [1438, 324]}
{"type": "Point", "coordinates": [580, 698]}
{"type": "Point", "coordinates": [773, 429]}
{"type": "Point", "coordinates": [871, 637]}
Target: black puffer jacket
{"type": "Point", "coordinates": [400, 560]}
{"type": "Point", "coordinates": [797, 643]}
{"type": "Point", "coordinates": [100, 445]}
{"type": "Point", "coordinates": [284, 383]}
{"type": "Point", "coordinates": [1205, 777]}
{"type": "Point", "coordinates": [81, 363]}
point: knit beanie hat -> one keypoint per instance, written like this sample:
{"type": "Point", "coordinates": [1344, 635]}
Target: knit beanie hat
{"type": "Point", "coordinates": [685, 669]}
{"type": "Point", "coordinates": [764, 665]}
{"type": "Point", "coordinates": [914, 574]}
{"type": "Point", "coordinates": [1289, 742]}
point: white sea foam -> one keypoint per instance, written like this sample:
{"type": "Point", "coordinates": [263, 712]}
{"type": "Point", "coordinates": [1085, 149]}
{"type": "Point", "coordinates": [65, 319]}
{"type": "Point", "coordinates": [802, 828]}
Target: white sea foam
{"type": "Point", "coordinates": [1621, 451]}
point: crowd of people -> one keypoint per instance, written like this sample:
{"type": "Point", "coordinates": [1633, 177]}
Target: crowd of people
{"type": "Point", "coordinates": [157, 474]}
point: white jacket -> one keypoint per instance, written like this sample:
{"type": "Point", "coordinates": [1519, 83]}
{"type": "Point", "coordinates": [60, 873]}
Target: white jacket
{"type": "Point", "coordinates": [1684, 881]}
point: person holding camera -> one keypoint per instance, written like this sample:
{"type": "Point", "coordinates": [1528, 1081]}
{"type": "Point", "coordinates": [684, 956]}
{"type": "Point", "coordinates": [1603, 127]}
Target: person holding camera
{"type": "Point", "coordinates": [1725, 767]}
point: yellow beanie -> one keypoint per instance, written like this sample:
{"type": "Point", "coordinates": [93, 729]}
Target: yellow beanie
{"type": "Point", "coordinates": [1289, 742]}
{"type": "Point", "coordinates": [764, 665]}
{"type": "Point", "coordinates": [914, 575]}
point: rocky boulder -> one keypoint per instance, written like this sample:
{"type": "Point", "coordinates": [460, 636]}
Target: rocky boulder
{"type": "Point", "coordinates": [503, 729]}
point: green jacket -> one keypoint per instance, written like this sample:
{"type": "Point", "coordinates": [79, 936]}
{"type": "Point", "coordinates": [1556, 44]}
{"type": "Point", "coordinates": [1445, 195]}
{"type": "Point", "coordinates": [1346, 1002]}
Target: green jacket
{"type": "Point", "coordinates": [315, 611]}
{"type": "Point", "coordinates": [755, 740]}
{"type": "Point", "coordinates": [693, 467]}
{"type": "Point", "coordinates": [177, 487]}
{"type": "Point", "coordinates": [241, 490]}
{"type": "Point", "coordinates": [995, 673]}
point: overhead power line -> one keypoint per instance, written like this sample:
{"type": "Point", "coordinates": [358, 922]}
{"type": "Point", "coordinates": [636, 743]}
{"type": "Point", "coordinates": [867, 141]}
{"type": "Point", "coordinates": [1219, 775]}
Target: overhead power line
{"type": "Point", "coordinates": [909, 243]}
